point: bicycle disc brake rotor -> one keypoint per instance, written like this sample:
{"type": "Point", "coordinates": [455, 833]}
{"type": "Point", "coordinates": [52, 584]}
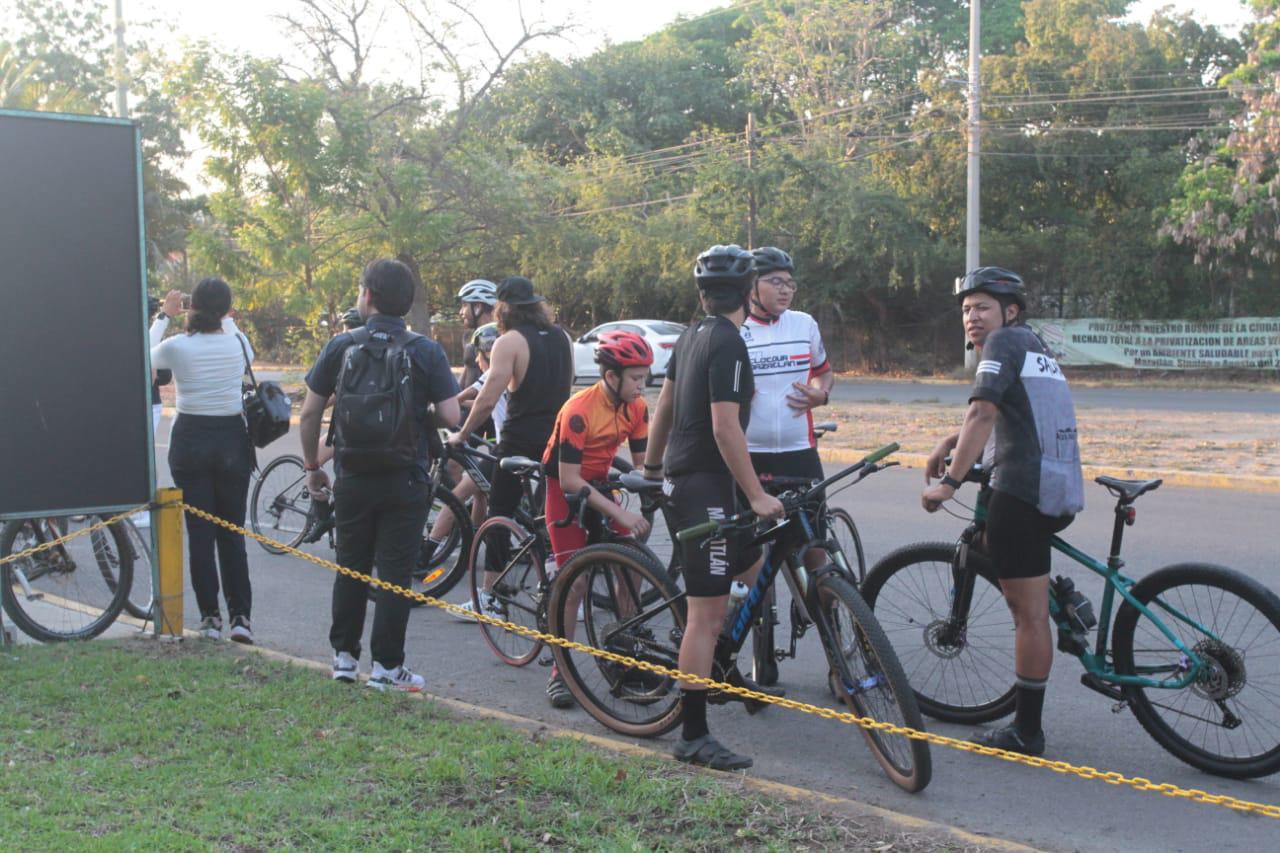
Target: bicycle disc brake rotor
{"type": "Point", "coordinates": [943, 639]}
{"type": "Point", "coordinates": [1224, 673]}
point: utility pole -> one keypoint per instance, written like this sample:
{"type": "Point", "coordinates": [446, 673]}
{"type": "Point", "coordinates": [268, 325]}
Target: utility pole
{"type": "Point", "coordinates": [122, 74]}
{"type": "Point", "coordinates": [973, 209]}
{"type": "Point", "coordinates": [751, 177]}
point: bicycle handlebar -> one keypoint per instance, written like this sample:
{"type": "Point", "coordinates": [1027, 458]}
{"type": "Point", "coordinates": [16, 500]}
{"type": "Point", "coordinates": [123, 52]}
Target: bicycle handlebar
{"type": "Point", "coordinates": [867, 463]}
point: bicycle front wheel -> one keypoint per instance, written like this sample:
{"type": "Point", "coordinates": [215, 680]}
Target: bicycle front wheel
{"type": "Point", "coordinates": [62, 593]}
{"type": "Point", "coordinates": [508, 560]}
{"type": "Point", "coordinates": [868, 678]}
{"type": "Point", "coordinates": [448, 563]}
{"type": "Point", "coordinates": [842, 531]}
{"type": "Point", "coordinates": [1227, 721]}
{"type": "Point", "coordinates": [960, 673]}
{"type": "Point", "coordinates": [139, 601]}
{"type": "Point", "coordinates": [280, 503]}
{"type": "Point", "coordinates": [629, 608]}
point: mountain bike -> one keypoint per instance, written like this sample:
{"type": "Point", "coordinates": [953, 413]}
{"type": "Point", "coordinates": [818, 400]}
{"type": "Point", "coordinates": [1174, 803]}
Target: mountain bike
{"type": "Point", "coordinates": [280, 509]}
{"type": "Point", "coordinates": [71, 591]}
{"type": "Point", "coordinates": [1194, 650]}
{"type": "Point", "coordinates": [647, 619]}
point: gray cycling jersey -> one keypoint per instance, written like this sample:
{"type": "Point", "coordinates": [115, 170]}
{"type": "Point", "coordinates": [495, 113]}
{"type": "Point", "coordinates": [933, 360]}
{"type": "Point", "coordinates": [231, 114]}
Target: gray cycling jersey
{"type": "Point", "coordinates": [1036, 454]}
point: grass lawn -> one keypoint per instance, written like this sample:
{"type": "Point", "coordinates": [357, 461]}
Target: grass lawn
{"type": "Point", "coordinates": [138, 745]}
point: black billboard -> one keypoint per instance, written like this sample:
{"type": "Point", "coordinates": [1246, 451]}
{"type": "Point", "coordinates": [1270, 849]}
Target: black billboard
{"type": "Point", "coordinates": [75, 427]}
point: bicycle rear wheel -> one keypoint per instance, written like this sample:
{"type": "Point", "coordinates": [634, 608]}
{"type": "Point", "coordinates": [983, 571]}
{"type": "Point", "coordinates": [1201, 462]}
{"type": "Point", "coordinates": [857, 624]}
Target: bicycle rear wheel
{"type": "Point", "coordinates": [615, 581]}
{"type": "Point", "coordinates": [504, 547]}
{"type": "Point", "coordinates": [280, 503]}
{"type": "Point", "coordinates": [62, 593]}
{"type": "Point", "coordinates": [1227, 722]}
{"type": "Point", "coordinates": [959, 675]}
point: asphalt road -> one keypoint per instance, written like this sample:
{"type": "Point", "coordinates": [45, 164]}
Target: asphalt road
{"type": "Point", "coordinates": [1033, 806]}
{"type": "Point", "coordinates": [1146, 399]}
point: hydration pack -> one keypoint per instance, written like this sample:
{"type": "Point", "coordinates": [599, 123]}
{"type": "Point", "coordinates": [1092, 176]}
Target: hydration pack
{"type": "Point", "coordinates": [373, 427]}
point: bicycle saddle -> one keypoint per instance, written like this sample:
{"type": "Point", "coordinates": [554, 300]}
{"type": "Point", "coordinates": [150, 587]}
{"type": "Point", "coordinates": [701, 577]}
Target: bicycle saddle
{"type": "Point", "coordinates": [825, 426]}
{"type": "Point", "coordinates": [1128, 490]}
{"type": "Point", "coordinates": [635, 482]}
{"type": "Point", "coordinates": [519, 464]}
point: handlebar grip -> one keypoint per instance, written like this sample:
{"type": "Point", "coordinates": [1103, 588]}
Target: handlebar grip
{"type": "Point", "coordinates": [697, 531]}
{"type": "Point", "coordinates": [887, 450]}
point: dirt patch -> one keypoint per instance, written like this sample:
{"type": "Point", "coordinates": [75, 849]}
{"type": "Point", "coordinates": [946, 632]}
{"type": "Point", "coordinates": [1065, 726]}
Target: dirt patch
{"type": "Point", "coordinates": [1231, 444]}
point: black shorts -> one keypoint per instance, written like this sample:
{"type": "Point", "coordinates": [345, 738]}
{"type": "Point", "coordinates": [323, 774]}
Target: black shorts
{"type": "Point", "coordinates": [709, 565]}
{"type": "Point", "coordinates": [794, 463]}
{"type": "Point", "coordinates": [1018, 536]}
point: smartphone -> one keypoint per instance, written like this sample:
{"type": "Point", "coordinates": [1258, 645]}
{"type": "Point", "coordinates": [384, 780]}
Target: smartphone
{"type": "Point", "coordinates": [186, 303]}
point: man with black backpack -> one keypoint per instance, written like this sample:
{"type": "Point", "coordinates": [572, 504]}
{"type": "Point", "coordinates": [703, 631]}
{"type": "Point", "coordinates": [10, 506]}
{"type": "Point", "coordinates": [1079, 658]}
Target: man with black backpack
{"type": "Point", "coordinates": [385, 380]}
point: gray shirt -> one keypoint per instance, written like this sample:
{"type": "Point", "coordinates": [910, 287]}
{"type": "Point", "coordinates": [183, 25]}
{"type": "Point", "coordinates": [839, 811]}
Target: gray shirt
{"type": "Point", "coordinates": [1035, 453]}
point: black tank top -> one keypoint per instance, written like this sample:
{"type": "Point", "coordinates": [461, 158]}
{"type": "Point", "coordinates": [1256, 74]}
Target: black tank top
{"type": "Point", "coordinates": [532, 409]}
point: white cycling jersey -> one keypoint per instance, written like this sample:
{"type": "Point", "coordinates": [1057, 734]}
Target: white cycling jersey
{"type": "Point", "coordinates": [782, 352]}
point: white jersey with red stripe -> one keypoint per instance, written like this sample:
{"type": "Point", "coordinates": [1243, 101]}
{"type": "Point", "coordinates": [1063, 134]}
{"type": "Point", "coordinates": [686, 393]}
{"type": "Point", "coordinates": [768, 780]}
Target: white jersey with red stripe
{"type": "Point", "coordinates": [784, 351]}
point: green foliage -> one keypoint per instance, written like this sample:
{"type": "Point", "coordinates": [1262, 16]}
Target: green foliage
{"type": "Point", "coordinates": [1107, 171]}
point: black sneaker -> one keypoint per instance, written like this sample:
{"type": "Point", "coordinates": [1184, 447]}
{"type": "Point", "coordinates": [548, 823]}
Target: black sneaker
{"type": "Point", "coordinates": [1010, 740]}
{"type": "Point", "coordinates": [319, 521]}
{"type": "Point", "coordinates": [558, 692]}
{"type": "Point", "coordinates": [706, 751]}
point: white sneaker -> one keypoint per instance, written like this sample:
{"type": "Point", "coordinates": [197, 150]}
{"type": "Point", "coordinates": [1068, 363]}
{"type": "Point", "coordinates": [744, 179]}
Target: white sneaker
{"type": "Point", "coordinates": [489, 606]}
{"type": "Point", "coordinates": [399, 678]}
{"type": "Point", "coordinates": [240, 631]}
{"type": "Point", "coordinates": [345, 668]}
{"type": "Point", "coordinates": [211, 627]}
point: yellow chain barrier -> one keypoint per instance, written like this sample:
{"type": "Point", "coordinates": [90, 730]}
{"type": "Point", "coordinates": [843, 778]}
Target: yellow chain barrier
{"type": "Point", "coordinates": [54, 543]}
{"type": "Point", "coordinates": [1061, 767]}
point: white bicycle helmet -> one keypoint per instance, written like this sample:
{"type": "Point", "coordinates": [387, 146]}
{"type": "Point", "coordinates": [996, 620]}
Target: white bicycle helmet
{"type": "Point", "coordinates": [479, 290]}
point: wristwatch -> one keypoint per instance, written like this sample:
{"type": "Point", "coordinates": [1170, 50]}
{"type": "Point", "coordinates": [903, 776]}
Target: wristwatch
{"type": "Point", "coordinates": [948, 480]}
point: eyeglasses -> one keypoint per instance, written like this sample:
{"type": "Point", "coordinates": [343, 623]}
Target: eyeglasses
{"type": "Point", "coordinates": [782, 283]}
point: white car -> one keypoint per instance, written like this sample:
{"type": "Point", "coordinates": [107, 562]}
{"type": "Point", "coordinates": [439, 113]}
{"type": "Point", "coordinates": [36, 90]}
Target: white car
{"type": "Point", "coordinates": [661, 335]}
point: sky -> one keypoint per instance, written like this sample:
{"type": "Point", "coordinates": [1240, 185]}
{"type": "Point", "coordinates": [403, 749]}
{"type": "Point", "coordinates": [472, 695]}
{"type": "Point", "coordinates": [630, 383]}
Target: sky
{"type": "Point", "coordinates": [248, 24]}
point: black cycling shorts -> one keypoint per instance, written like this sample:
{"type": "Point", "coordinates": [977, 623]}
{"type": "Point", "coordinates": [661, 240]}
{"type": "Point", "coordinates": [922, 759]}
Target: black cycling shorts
{"type": "Point", "coordinates": [709, 565]}
{"type": "Point", "coordinates": [1018, 536]}
{"type": "Point", "coordinates": [794, 463]}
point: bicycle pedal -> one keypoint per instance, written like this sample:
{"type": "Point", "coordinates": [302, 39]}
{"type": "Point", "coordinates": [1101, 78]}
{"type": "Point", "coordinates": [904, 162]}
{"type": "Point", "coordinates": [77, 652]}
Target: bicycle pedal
{"type": "Point", "coordinates": [1109, 690]}
{"type": "Point", "coordinates": [546, 660]}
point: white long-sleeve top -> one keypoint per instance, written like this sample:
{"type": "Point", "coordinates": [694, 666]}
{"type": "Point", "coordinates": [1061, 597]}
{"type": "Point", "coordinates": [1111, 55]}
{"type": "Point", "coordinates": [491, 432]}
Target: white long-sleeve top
{"type": "Point", "coordinates": [207, 367]}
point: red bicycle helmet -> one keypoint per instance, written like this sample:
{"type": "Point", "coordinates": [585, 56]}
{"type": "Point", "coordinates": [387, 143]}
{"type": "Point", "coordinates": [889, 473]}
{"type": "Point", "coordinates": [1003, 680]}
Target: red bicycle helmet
{"type": "Point", "coordinates": [618, 349]}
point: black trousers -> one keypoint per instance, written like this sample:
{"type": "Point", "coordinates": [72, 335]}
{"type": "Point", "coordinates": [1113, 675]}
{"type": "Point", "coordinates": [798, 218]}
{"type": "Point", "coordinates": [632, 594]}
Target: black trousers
{"type": "Point", "coordinates": [379, 520]}
{"type": "Point", "coordinates": [506, 490]}
{"type": "Point", "coordinates": [210, 458]}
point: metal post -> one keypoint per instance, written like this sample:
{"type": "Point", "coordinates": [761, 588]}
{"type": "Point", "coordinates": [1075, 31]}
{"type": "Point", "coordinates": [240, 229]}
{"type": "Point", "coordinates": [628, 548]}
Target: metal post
{"type": "Point", "coordinates": [121, 73]}
{"type": "Point", "coordinates": [751, 176]}
{"type": "Point", "coordinates": [166, 522]}
{"type": "Point", "coordinates": [973, 199]}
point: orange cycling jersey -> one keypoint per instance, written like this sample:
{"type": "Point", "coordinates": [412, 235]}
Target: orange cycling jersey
{"type": "Point", "coordinates": [590, 428]}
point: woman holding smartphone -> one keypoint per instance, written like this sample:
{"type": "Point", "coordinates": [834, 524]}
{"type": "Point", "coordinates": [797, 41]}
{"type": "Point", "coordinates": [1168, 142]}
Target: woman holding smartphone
{"type": "Point", "coordinates": [210, 456]}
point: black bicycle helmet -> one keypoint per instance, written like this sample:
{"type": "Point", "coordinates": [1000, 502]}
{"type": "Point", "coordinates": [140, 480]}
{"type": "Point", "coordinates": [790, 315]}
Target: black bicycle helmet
{"type": "Point", "coordinates": [994, 280]}
{"type": "Point", "coordinates": [771, 259]}
{"type": "Point", "coordinates": [728, 267]}
{"type": "Point", "coordinates": [351, 319]}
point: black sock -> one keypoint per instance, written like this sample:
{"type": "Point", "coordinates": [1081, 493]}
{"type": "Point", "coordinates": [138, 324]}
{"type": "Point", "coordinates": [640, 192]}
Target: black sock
{"type": "Point", "coordinates": [1029, 693]}
{"type": "Point", "coordinates": [695, 714]}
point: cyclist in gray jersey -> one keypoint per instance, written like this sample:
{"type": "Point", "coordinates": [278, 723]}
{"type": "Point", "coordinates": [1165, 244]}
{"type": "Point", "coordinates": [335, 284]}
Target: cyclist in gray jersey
{"type": "Point", "coordinates": [1022, 422]}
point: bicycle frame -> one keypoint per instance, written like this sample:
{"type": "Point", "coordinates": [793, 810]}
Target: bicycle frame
{"type": "Point", "coordinates": [1096, 663]}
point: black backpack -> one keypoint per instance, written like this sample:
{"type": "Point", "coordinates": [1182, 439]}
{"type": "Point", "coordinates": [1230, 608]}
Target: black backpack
{"type": "Point", "coordinates": [373, 427]}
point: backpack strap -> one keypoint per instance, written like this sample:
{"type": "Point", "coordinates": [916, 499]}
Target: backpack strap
{"type": "Point", "coordinates": [248, 368]}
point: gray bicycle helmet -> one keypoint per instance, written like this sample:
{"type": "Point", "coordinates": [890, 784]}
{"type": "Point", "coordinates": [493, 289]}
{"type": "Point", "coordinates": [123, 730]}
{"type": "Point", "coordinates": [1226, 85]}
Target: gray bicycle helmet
{"type": "Point", "coordinates": [728, 267]}
{"type": "Point", "coordinates": [479, 290]}
{"type": "Point", "coordinates": [771, 259]}
{"type": "Point", "coordinates": [485, 337]}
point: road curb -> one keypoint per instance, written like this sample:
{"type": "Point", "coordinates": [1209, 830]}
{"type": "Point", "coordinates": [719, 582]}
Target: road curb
{"type": "Point", "coordinates": [1189, 479]}
{"type": "Point", "coordinates": [905, 822]}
